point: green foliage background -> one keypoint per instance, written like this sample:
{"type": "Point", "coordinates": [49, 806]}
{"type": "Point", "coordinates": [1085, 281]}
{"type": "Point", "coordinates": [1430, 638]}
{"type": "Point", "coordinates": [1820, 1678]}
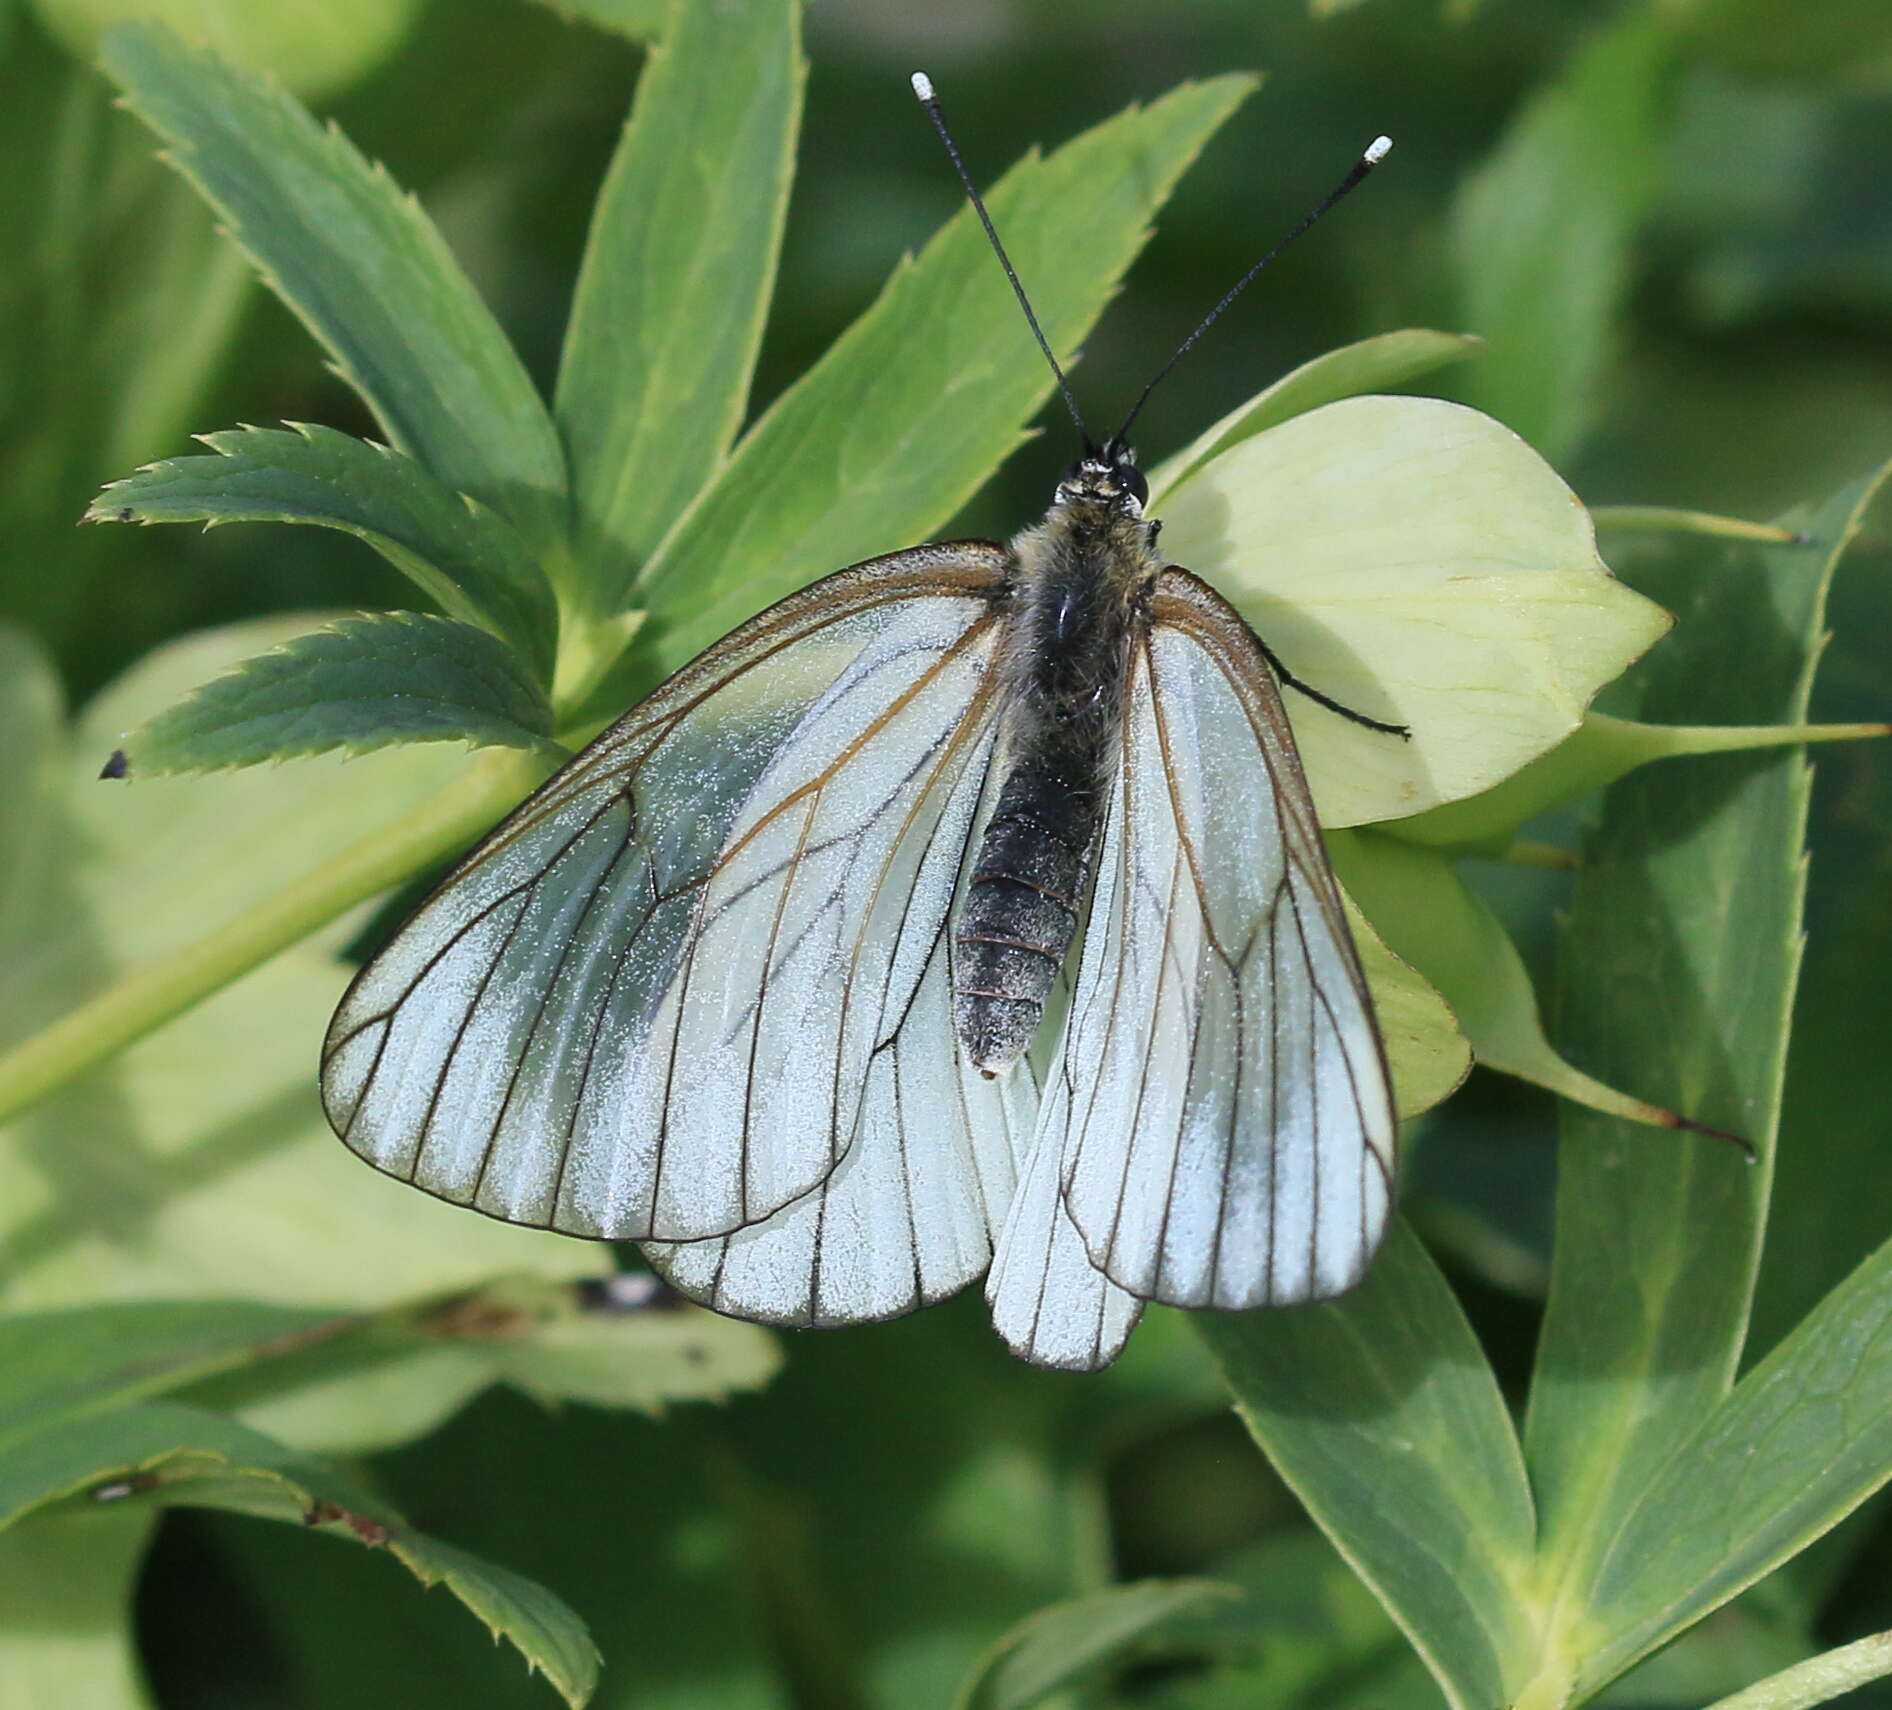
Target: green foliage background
{"type": "Point", "coordinates": [1671, 222]}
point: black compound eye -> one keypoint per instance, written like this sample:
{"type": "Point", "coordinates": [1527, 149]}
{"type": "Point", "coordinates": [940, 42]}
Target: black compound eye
{"type": "Point", "coordinates": [1130, 479]}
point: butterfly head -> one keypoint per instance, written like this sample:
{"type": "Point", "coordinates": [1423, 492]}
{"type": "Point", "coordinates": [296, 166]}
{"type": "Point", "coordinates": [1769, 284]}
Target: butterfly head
{"type": "Point", "coordinates": [1106, 476]}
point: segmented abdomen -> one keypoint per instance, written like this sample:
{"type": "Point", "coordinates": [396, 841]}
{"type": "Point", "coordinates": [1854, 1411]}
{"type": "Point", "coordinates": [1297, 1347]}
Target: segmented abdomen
{"type": "Point", "coordinates": [1021, 907]}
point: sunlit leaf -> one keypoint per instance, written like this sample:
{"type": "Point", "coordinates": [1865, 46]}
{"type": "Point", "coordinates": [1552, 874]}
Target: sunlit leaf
{"type": "Point", "coordinates": [363, 268]}
{"type": "Point", "coordinates": [1601, 750]}
{"type": "Point", "coordinates": [357, 684]}
{"type": "Point", "coordinates": [1425, 1050]}
{"type": "Point", "coordinates": [67, 1584]}
{"type": "Point", "coordinates": [1679, 976]}
{"type": "Point", "coordinates": [164, 1454]}
{"type": "Point", "coordinates": [677, 274]}
{"type": "Point", "coordinates": [910, 410]}
{"type": "Point", "coordinates": [1796, 1447]}
{"type": "Point", "coordinates": [1371, 365]}
{"type": "Point", "coordinates": [314, 46]}
{"type": "Point", "coordinates": [1438, 924]}
{"type": "Point", "coordinates": [199, 1164]}
{"type": "Point", "coordinates": [461, 555]}
{"type": "Point", "coordinates": [1380, 1411]}
{"type": "Point", "coordinates": [1420, 564]}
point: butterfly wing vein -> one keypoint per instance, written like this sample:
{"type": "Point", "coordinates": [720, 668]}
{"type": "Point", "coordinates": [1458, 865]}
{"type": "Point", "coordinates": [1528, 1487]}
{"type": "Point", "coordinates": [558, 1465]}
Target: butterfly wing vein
{"type": "Point", "coordinates": [619, 1015]}
{"type": "Point", "coordinates": [1218, 1128]}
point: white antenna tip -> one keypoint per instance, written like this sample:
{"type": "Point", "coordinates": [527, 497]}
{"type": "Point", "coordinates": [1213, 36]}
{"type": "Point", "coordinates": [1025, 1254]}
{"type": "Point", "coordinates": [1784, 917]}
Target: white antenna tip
{"type": "Point", "coordinates": [922, 86]}
{"type": "Point", "coordinates": [1377, 150]}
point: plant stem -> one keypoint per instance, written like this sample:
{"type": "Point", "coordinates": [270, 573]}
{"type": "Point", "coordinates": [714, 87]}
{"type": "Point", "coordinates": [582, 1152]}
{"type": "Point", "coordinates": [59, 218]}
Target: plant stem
{"type": "Point", "coordinates": [1663, 519]}
{"type": "Point", "coordinates": [148, 997]}
{"type": "Point", "coordinates": [1818, 1678]}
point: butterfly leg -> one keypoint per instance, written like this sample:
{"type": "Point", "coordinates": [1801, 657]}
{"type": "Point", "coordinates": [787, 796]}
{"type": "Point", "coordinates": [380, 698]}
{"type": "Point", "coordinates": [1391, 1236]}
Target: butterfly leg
{"type": "Point", "coordinates": [1403, 732]}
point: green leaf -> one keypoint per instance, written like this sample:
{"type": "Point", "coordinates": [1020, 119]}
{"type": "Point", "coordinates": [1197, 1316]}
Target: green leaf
{"type": "Point", "coordinates": [641, 20]}
{"type": "Point", "coordinates": [1425, 1050]}
{"type": "Point", "coordinates": [57, 1366]}
{"type": "Point", "coordinates": [1847, 40]}
{"type": "Point", "coordinates": [32, 750]}
{"type": "Point", "coordinates": [1371, 365]}
{"type": "Point", "coordinates": [198, 1164]}
{"type": "Point", "coordinates": [1817, 1680]}
{"type": "Point", "coordinates": [1799, 1444]}
{"type": "Point", "coordinates": [176, 1456]}
{"type": "Point", "coordinates": [169, 892]}
{"type": "Point", "coordinates": [1058, 1646]}
{"type": "Point", "coordinates": [67, 1587]}
{"type": "Point", "coordinates": [912, 408]}
{"type": "Point", "coordinates": [1678, 977]}
{"type": "Point", "coordinates": [1380, 1411]}
{"type": "Point", "coordinates": [313, 48]}
{"type": "Point", "coordinates": [1601, 750]}
{"type": "Point", "coordinates": [1542, 232]}
{"type": "Point", "coordinates": [1432, 919]}
{"type": "Point", "coordinates": [1666, 519]}
{"type": "Point", "coordinates": [463, 556]}
{"type": "Point", "coordinates": [358, 685]}
{"type": "Point", "coordinates": [120, 246]}
{"type": "Point", "coordinates": [677, 273]}
{"type": "Point", "coordinates": [1418, 563]}
{"type": "Point", "coordinates": [127, 876]}
{"type": "Point", "coordinates": [560, 1346]}
{"type": "Point", "coordinates": [403, 1372]}
{"type": "Point", "coordinates": [321, 1378]}
{"type": "Point", "coordinates": [364, 270]}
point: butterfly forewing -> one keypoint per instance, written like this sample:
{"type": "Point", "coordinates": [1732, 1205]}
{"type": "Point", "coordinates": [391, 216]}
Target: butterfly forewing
{"type": "Point", "coordinates": [1227, 1138]}
{"type": "Point", "coordinates": [696, 934]}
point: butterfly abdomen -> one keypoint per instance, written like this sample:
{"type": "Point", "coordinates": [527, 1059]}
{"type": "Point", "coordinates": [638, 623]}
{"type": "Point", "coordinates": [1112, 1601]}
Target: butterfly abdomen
{"type": "Point", "coordinates": [1081, 577]}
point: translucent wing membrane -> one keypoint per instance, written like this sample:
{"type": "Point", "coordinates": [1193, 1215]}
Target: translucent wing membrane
{"type": "Point", "coordinates": [648, 1004]}
{"type": "Point", "coordinates": [1049, 1302]}
{"type": "Point", "coordinates": [1222, 1113]}
{"type": "Point", "coordinates": [907, 1217]}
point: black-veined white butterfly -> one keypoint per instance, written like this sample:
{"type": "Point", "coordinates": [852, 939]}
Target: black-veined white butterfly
{"type": "Point", "coordinates": [760, 979]}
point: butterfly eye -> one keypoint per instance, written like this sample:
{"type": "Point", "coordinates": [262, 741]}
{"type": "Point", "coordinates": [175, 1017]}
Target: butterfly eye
{"type": "Point", "coordinates": [1130, 479]}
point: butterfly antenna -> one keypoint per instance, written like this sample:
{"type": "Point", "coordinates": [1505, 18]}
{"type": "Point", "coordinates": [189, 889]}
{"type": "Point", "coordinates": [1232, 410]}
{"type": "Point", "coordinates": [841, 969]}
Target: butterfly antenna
{"type": "Point", "coordinates": [1376, 151]}
{"type": "Point", "coordinates": [923, 88]}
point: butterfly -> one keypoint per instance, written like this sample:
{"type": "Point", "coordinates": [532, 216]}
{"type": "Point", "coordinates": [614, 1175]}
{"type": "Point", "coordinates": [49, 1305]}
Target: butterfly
{"type": "Point", "coordinates": [963, 914]}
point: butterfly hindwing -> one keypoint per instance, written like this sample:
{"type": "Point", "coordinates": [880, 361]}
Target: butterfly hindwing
{"type": "Point", "coordinates": [907, 1217]}
{"type": "Point", "coordinates": [1226, 1128]}
{"type": "Point", "coordinates": [687, 942]}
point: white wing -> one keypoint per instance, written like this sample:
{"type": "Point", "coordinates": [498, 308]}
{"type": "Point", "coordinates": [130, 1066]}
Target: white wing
{"type": "Point", "coordinates": [906, 1218]}
{"type": "Point", "coordinates": [1225, 1125]}
{"type": "Point", "coordinates": [647, 1004]}
{"type": "Point", "coordinates": [1051, 1305]}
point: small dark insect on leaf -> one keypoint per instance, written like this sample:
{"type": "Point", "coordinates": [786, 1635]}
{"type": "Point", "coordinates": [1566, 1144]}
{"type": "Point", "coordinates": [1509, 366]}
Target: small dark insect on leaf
{"type": "Point", "coordinates": [119, 766]}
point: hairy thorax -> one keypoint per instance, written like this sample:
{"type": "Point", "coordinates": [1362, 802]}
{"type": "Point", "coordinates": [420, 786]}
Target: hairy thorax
{"type": "Point", "coordinates": [1078, 602]}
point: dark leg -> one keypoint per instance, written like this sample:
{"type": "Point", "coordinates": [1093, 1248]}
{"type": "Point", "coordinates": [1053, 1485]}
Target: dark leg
{"type": "Point", "coordinates": [1291, 681]}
